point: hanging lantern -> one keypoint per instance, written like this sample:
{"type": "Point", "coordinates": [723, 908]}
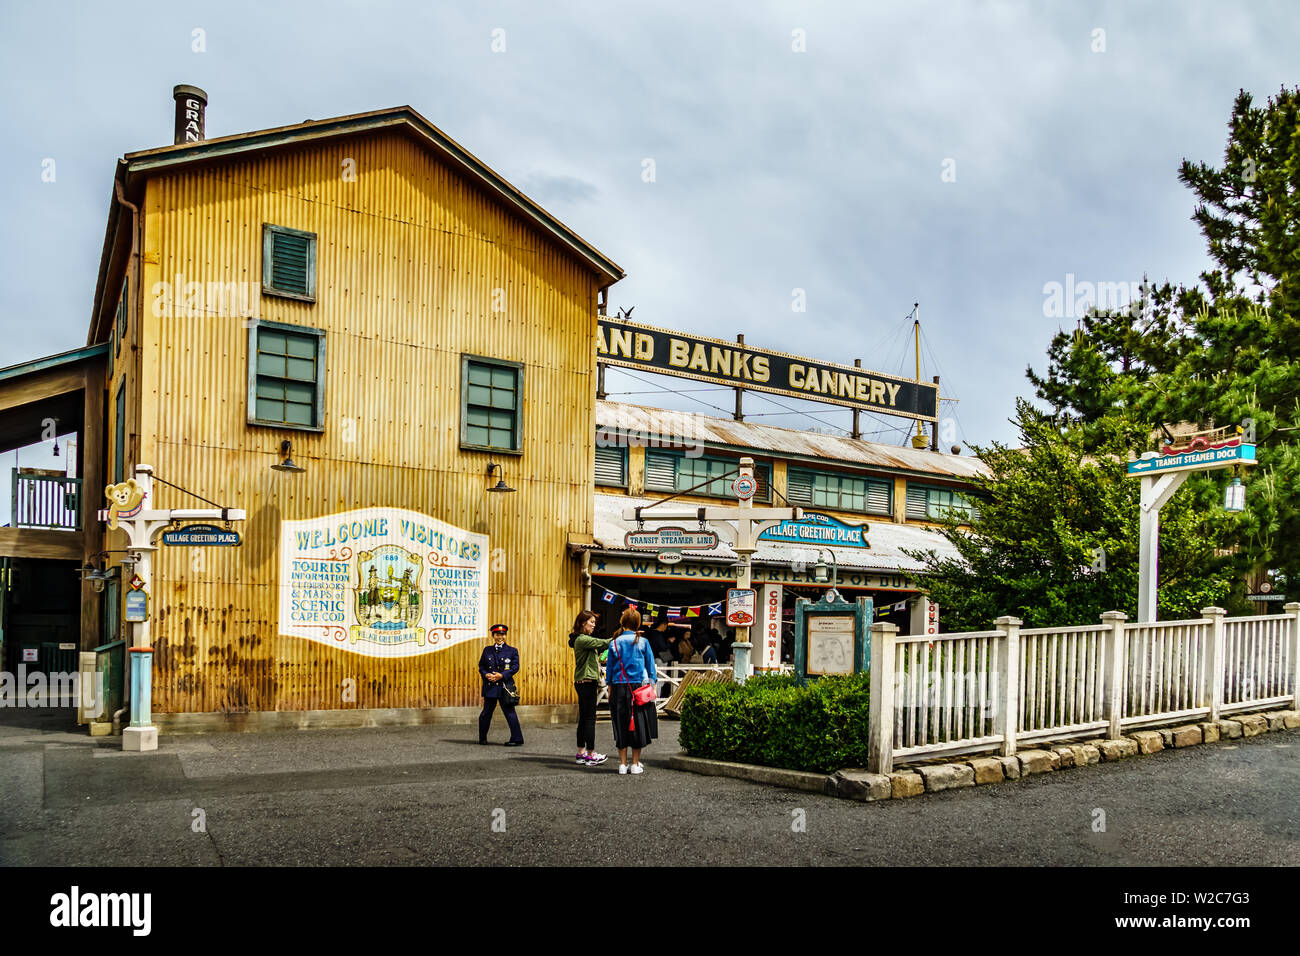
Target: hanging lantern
{"type": "Point", "coordinates": [1234, 496]}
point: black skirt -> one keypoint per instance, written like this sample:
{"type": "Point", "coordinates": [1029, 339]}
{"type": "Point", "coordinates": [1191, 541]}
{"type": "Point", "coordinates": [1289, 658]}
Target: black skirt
{"type": "Point", "coordinates": [644, 719]}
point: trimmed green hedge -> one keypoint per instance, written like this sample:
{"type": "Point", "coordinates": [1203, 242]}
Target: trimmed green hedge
{"type": "Point", "coordinates": [772, 721]}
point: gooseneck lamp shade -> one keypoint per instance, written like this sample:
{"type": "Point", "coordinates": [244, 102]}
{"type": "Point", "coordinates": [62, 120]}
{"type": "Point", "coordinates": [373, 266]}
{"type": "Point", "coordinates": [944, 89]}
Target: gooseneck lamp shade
{"type": "Point", "coordinates": [1234, 496]}
{"type": "Point", "coordinates": [286, 459]}
{"type": "Point", "coordinates": [501, 485]}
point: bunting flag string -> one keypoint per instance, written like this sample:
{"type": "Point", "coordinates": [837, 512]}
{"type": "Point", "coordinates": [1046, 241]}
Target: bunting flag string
{"type": "Point", "coordinates": [672, 613]}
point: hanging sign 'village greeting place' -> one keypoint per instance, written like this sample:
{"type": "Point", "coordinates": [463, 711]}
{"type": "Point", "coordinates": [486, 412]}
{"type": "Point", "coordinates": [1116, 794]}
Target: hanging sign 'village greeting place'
{"type": "Point", "coordinates": [630, 345]}
{"type": "Point", "coordinates": [384, 582]}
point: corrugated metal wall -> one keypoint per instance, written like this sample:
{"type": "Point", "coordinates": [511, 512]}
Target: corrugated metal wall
{"type": "Point", "coordinates": [408, 257]}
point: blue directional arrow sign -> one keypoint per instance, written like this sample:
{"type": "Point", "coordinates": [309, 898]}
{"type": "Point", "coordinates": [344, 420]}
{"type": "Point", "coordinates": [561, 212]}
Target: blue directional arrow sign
{"type": "Point", "coordinates": [1194, 460]}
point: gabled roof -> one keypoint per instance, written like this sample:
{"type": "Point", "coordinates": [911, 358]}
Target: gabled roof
{"type": "Point", "coordinates": [137, 165]}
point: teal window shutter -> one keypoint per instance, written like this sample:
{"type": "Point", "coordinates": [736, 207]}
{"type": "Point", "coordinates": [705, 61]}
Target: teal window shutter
{"type": "Point", "coordinates": [611, 465]}
{"type": "Point", "coordinates": [289, 262]}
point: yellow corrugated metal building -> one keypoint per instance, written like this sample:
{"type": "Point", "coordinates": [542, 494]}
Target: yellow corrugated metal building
{"type": "Point", "coordinates": [415, 318]}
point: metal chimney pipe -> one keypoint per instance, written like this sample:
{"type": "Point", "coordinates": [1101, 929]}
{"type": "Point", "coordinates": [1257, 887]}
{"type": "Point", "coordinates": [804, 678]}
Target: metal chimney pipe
{"type": "Point", "coordinates": [191, 103]}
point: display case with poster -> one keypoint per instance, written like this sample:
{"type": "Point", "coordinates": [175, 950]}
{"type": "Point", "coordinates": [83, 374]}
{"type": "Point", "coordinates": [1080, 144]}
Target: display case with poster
{"type": "Point", "coordinates": [831, 637]}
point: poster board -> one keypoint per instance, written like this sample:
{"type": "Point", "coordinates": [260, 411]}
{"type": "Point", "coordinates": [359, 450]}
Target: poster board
{"type": "Point", "coordinates": [831, 637]}
{"type": "Point", "coordinates": [383, 582]}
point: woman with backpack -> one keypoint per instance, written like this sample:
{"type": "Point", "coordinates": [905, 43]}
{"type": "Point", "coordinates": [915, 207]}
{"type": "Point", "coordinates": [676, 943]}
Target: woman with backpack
{"type": "Point", "coordinates": [586, 681]}
{"type": "Point", "coordinates": [631, 675]}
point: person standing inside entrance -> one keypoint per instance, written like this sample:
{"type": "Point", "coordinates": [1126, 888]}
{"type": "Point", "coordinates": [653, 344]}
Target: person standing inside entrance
{"type": "Point", "coordinates": [586, 681]}
{"type": "Point", "coordinates": [498, 665]}
{"type": "Point", "coordinates": [631, 665]}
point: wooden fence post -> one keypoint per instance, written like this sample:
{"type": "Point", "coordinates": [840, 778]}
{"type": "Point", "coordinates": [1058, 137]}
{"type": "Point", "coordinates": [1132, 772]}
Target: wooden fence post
{"type": "Point", "coordinates": [1293, 611]}
{"type": "Point", "coordinates": [1113, 660]}
{"type": "Point", "coordinates": [1214, 659]}
{"type": "Point", "coordinates": [1006, 720]}
{"type": "Point", "coordinates": [880, 744]}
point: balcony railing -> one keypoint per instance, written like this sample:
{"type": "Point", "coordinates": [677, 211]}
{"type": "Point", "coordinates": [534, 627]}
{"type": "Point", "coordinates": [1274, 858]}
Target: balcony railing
{"type": "Point", "coordinates": [46, 501]}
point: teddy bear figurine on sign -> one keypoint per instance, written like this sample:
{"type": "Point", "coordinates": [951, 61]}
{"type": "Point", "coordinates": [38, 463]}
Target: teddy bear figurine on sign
{"type": "Point", "coordinates": [124, 500]}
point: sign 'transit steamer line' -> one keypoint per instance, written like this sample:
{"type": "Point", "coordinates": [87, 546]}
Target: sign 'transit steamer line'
{"type": "Point", "coordinates": [717, 361]}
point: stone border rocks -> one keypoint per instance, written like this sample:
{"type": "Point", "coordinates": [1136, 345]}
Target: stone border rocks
{"type": "Point", "coordinates": [935, 776]}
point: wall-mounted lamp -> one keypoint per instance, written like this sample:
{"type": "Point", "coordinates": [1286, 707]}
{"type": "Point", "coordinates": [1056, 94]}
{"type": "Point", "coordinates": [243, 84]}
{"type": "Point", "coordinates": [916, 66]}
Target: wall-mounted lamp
{"type": "Point", "coordinates": [286, 459]}
{"type": "Point", "coordinates": [96, 577]}
{"type": "Point", "coordinates": [501, 480]}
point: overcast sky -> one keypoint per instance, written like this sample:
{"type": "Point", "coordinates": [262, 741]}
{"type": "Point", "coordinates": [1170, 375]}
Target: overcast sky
{"type": "Point", "coordinates": [958, 154]}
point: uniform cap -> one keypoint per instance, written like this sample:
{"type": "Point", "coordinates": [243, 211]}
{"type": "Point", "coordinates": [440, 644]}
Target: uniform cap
{"type": "Point", "coordinates": [499, 628]}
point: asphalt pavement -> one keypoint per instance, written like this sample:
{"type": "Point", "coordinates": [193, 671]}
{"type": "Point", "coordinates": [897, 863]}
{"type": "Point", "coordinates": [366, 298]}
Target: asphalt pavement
{"type": "Point", "coordinates": [432, 796]}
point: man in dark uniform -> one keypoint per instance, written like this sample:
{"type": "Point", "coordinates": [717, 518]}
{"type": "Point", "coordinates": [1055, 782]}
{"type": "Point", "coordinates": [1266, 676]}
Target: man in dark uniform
{"type": "Point", "coordinates": [499, 663]}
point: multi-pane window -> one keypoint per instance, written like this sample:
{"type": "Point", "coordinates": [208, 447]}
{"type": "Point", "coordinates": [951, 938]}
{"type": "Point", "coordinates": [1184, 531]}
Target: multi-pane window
{"type": "Point", "coordinates": [837, 492]}
{"type": "Point", "coordinates": [289, 262]}
{"type": "Point", "coordinates": [669, 471]}
{"type": "Point", "coordinates": [492, 404]}
{"type": "Point", "coordinates": [286, 375]}
{"type": "Point", "coordinates": [934, 504]}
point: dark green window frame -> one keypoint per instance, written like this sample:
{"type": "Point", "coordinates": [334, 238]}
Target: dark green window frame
{"type": "Point", "coordinates": [491, 404]}
{"type": "Point", "coordinates": [289, 379]}
{"type": "Point", "coordinates": [119, 434]}
{"type": "Point", "coordinates": [836, 491]}
{"type": "Point", "coordinates": [122, 306]}
{"type": "Point", "coordinates": [930, 503]}
{"type": "Point", "coordinates": [689, 471]}
{"type": "Point", "coordinates": [295, 250]}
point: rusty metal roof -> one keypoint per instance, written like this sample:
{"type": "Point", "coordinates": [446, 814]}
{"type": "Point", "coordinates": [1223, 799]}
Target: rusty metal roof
{"type": "Point", "coordinates": [691, 428]}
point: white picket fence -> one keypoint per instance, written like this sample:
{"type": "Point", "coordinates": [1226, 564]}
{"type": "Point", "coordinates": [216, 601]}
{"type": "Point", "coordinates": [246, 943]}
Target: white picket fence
{"type": "Point", "coordinates": [991, 691]}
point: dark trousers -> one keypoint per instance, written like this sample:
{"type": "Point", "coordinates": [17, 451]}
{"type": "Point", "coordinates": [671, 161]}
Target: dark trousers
{"type": "Point", "coordinates": [587, 693]}
{"type": "Point", "coordinates": [485, 720]}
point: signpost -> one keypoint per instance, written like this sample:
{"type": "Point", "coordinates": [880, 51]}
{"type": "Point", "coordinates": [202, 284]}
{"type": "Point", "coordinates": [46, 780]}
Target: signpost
{"type": "Point", "coordinates": [749, 522]}
{"type": "Point", "coordinates": [742, 605]}
{"type": "Point", "coordinates": [818, 529]}
{"type": "Point", "coordinates": [1162, 475]}
{"type": "Point", "coordinates": [671, 539]}
{"type": "Point", "coordinates": [831, 637]}
{"type": "Point", "coordinates": [128, 510]}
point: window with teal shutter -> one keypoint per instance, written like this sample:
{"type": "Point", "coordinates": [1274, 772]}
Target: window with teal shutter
{"type": "Point", "coordinates": [839, 492]}
{"type": "Point", "coordinates": [289, 262]}
{"type": "Point", "coordinates": [491, 404]}
{"type": "Point", "coordinates": [286, 375]}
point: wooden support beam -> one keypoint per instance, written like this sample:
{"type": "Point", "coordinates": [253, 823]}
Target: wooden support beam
{"type": "Point", "coordinates": [43, 543]}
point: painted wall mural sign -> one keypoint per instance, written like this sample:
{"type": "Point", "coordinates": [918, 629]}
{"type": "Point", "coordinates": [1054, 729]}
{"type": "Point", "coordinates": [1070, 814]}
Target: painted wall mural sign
{"type": "Point", "coordinates": [631, 345]}
{"type": "Point", "coordinates": [818, 529]}
{"type": "Point", "coordinates": [384, 582]}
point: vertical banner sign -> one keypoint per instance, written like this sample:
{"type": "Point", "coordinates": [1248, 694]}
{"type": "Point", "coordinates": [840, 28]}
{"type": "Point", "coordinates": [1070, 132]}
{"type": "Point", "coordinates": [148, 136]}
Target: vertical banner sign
{"type": "Point", "coordinates": [383, 582]}
{"type": "Point", "coordinates": [769, 597]}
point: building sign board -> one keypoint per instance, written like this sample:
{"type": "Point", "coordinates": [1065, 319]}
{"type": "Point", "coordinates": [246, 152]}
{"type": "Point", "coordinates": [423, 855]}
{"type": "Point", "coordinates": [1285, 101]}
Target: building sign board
{"type": "Point", "coordinates": [201, 536]}
{"type": "Point", "coordinates": [671, 539]}
{"type": "Point", "coordinates": [769, 655]}
{"type": "Point", "coordinates": [383, 582]}
{"type": "Point", "coordinates": [742, 606]}
{"type": "Point", "coordinates": [725, 573]}
{"type": "Point", "coordinates": [632, 345]}
{"type": "Point", "coordinates": [1194, 460]}
{"type": "Point", "coordinates": [1265, 597]}
{"type": "Point", "coordinates": [818, 529]}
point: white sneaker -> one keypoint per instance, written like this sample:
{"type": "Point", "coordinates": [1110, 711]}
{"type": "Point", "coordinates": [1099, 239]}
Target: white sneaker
{"type": "Point", "coordinates": [622, 768]}
{"type": "Point", "coordinates": [637, 768]}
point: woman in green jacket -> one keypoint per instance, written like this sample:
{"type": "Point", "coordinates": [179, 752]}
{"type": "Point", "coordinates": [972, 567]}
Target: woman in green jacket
{"type": "Point", "coordinates": [586, 681]}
